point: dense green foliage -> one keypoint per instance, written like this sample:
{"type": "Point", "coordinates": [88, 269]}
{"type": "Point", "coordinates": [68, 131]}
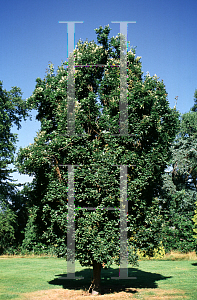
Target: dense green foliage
{"type": "Point", "coordinates": [179, 188]}
{"type": "Point", "coordinates": [195, 226]}
{"type": "Point", "coordinates": [12, 110]}
{"type": "Point", "coordinates": [177, 225]}
{"type": "Point", "coordinates": [161, 205]}
{"type": "Point", "coordinates": [194, 108]}
{"type": "Point", "coordinates": [152, 126]}
{"type": "Point", "coordinates": [7, 228]}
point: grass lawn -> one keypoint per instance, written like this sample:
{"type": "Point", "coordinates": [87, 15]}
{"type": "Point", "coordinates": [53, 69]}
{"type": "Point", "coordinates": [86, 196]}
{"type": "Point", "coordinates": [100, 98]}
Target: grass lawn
{"type": "Point", "coordinates": [37, 278]}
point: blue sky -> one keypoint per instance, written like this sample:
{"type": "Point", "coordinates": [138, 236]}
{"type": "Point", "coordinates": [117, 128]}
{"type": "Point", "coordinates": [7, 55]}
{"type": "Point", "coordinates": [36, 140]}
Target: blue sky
{"type": "Point", "coordinates": [164, 33]}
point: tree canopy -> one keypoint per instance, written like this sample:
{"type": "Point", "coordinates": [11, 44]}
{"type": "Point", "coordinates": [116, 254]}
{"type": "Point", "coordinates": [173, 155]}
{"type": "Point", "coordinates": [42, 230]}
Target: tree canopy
{"type": "Point", "coordinates": [179, 187]}
{"type": "Point", "coordinates": [97, 152]}
{"type": "Point", "coordinates": [194, 108]}
{"type": "Point", "coordinates": [12, 111]}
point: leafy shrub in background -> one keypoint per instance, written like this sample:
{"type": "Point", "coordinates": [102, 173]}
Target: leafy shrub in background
{"type": "Point", "coordinates": [177, 224]}
{"type": "Point", "coordinates": [158, 253]}
{"type": "Point", "coordinates": [195, 228]}
{"type": "Point", "coordinates": [7, 228]}
{"type": "Point", "coordinates": [178, 193]}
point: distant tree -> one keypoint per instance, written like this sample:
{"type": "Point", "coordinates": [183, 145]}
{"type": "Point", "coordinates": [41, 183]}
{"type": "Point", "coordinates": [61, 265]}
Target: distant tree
{"type": "Point", "coordinates": [152, 126]}
{"type": "Point", "coordinates": [180, 187]}
{"type": "Point", "coordinates": [185, 153]}
{"type": "Point", "coordinates": [177, 210]}
{"type": "Point", "coordinates": [194, 219]}
{"type": "Point", "coordinates": [12, 111]}
{"type": "Point", "coordinates": [7, 228]}
{"type": "Point", "coordinates": [194, 108]}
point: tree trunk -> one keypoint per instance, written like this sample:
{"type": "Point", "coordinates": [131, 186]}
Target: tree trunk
{"type": "Point", "coordinates": [95, 287]}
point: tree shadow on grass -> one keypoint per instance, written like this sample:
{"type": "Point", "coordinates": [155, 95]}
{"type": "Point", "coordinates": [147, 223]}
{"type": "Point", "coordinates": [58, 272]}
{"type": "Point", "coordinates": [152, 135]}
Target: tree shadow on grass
{"type": "Point", "coordinates": [108, 285]}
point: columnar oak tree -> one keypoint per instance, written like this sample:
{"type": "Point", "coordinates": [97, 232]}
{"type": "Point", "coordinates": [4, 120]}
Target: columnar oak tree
{"type": "Point", "coordinates": [97, 151]}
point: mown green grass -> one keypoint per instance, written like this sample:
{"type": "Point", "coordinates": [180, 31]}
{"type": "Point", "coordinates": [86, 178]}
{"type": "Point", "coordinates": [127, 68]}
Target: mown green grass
{"type": "Point", "coordinates": [24, 275]}
{"type": "Point", "coordinates": [168, 275]}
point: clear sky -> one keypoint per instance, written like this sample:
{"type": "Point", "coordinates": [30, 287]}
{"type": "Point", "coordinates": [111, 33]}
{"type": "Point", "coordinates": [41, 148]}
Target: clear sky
{"type": "Point", "coordinates": [164, 33]}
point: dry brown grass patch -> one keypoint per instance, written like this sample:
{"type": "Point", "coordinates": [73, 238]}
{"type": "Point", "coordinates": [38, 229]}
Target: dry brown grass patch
{"type": "Point", "coordinates": [146, 294]}
{"type": "Point", "coordinates": [62, 294]}
{"type": "Point", "coordinates": [173, 255]}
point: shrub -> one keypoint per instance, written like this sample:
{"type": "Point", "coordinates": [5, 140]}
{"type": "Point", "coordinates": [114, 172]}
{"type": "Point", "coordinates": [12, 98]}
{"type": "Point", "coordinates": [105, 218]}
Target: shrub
{"type": "Point", "coordinates": [7, 231]}
{"type": "Point", "coordinates": [158, 253]}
